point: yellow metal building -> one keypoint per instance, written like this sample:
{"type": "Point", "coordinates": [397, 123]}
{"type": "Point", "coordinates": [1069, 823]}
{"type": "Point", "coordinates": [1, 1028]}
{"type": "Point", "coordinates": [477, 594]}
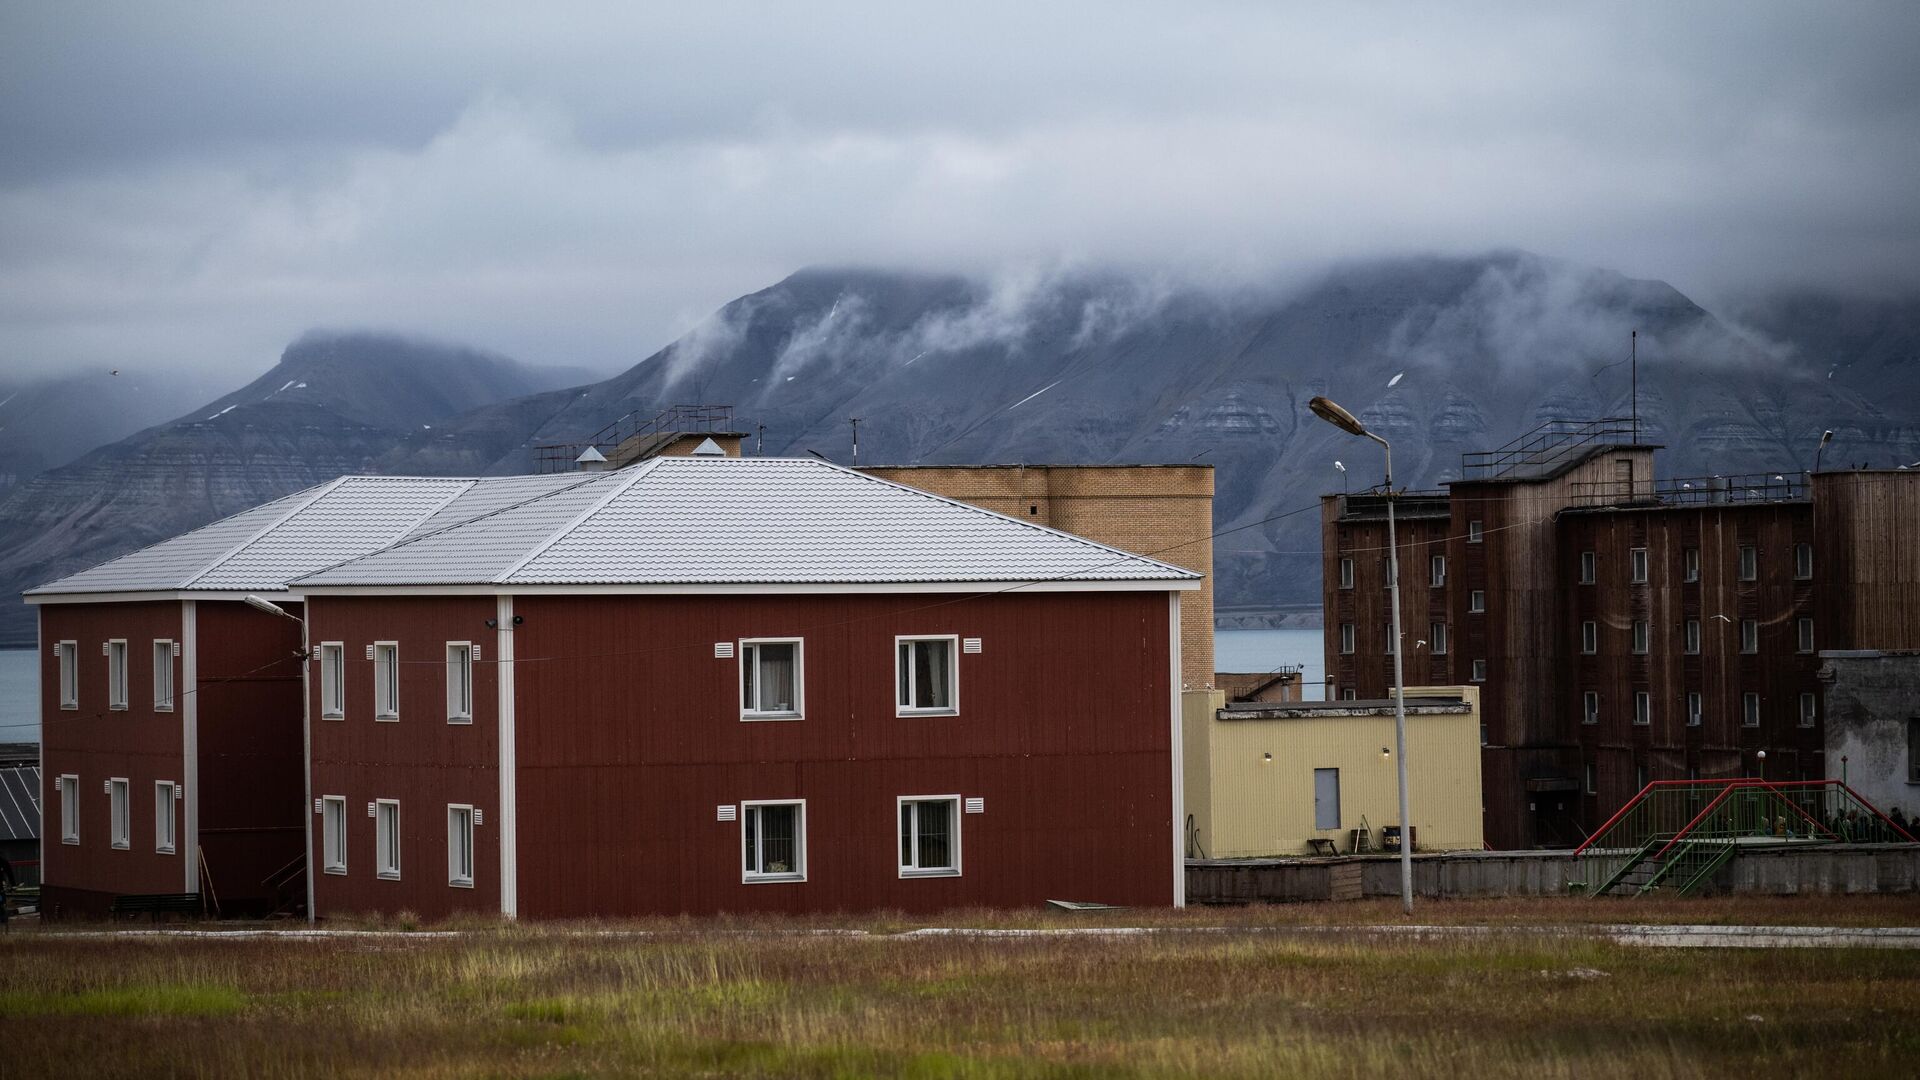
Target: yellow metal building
{"type": "Point", "coordinates": [1268, 778]}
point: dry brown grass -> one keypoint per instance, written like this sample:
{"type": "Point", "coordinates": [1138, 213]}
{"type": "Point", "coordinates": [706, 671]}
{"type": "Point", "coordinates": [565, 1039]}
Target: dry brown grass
{"type": "Point", "coordinates": [746, 997]}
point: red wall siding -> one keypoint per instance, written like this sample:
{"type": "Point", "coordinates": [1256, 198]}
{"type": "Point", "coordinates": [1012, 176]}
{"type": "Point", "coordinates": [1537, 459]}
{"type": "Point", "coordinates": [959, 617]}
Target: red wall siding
{"type": "Point", "coordinates": [249, 748]}
{"type": "Point", "coordinates": [96, 743]}
{"type": "Point", "coordinates": [420, 759]}
{"type": "Point", "coordinates": [630, 737]}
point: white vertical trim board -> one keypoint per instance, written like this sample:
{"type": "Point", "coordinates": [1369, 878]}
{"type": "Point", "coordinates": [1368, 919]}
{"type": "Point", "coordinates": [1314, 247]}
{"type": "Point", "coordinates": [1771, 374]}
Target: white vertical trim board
{"type": "Point", "coordinates": [190, 741]}
{"type": "Point", "coordinates": [1178, 754]}
{"type": "Point", "coordinates": [509, 812]}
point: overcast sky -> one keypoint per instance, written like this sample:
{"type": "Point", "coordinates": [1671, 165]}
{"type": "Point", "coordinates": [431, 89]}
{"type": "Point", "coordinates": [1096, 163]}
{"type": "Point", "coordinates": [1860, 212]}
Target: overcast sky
{"type": "Point", "coordinates": [578, 184]}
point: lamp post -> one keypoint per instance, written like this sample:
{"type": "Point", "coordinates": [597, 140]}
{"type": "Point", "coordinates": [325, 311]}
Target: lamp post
{"type": "Point", "coordinates": [1345, 421]}
{"type": "Point", "coordinates": [306, 730]}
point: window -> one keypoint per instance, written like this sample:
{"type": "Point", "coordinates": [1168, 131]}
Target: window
{"type": "Point", "coordinates": [119, 814]}
{"type": "Point", "coordinates": [1642, 708]}
{"type": "Point", "coordinates": [1590, 707]}
{"type": "Point", "coordinates": [1389, 572]}
{"type": "Point", "coordinates": [1803, 562]}
{"type": "Point", "coordinates": [1749, 635]}
{"type": "Point", "coordinates": [460, 846]}
{"type": "Point", "coordinates": [1913, 751]}
{"type": "Point", "coordinates": [386, 843]}
{"type": "Point", "coordinates": [117, 674]}
{"type": "Point", "coordinates": [1348, 694]}
{"type": "Point", "coordinates": [1387, 633]}
{"type": "Point", "coordinates": [1437, 634]}
{"type": "Point", "coordinates": [386, 680]}
{"type": "Point", "coordinates": [1326, 799]}
{"type": "Point", "coordinates": [69, 809]}
{"type": "Point", "coordinates": [1588, 568]}
{"type": "Point", "coordinates": [1593, 779]}
{"type": "Point", "coordinates": [1749, 710]}
{"type": "Point", "coordinates": [926, 679]}
{"type": "Point", "coordinates": [1693, 708]}
{"type": "Point", "coordinates": [1346, 573]}
{"type": "Point", "coordinates": [1804, 627]}
{"type": "Point", "coordinates": [163, 816]}
{"type": "Point", "coordinates": [1477, 601]}
{"type": "Point", "coordinates": [1692, 637]}
{"type": "Point", "coordinates": [1809, 709]}
{"type": "Point", "coordinates": [1483, 735]}
{"type": "Point", "coordinates": [69, 652]}
{"type": "Point", "coordinates": [1749, 563]}
{"type": "Point", "coordinates": [773, 841]}
{"type": "Point", "coordinates": [929, 836]}
{"type": "Point", "coordinates": [1637, 560]}
{"type": "Point", "coordinates": [333, 833]}
{"type": "Point", "coordinates": [1437, 572]}
{"type": "Point", "coordinates": [333, 679]}
{"type": "Point", "coordinates": [1640, 778]}
{"type": "Point", "coordinates": [1474, 532]}
{"type": "Point", "coordinates": [770, 679]}
{"type": "Point", "coordinates": [1642, 637]}
{"type": "Point", "coordinates": [1690, 564]}
{"type": "Point", "coordinates": [1346, 638]}
{"type": "Point", "coordinates": [1479, 673]}
{"type": "Point", "coordinates": [163, 676]}
{"type": "Point", "coordinates": [459, 682]}
{"type": "Point", "coordinates": [1589, 637]}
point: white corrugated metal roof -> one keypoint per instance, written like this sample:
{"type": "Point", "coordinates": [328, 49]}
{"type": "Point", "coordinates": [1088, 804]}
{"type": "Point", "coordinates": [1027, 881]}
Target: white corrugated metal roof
{"type": "Point", "coordinates": [740, 521]}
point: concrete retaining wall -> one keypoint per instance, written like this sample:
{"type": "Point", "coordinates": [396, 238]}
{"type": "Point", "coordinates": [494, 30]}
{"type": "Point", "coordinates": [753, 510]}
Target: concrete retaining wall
{"type": "Point", "coordinates": [1836, 868]}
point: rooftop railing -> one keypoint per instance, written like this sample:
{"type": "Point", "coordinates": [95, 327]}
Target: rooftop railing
{"type": "Point", "coordinates": [1547, 446]}
{"type": "Point", "coordinates": [684, 419]}
{"type": "Point", "coordinates": [1767, 487]}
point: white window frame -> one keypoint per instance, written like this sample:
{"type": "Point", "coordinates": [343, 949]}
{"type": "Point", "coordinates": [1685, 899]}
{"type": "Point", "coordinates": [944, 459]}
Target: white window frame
{"type": "Point", "coordinates": [901, 840]}
{"type": "Point", "coordinates": [1477, 671]}
{"type": "Point", "coordinates": [1642, 708]}
{"type": "Point", "coordinates": [166, 823]}
{"type": "Point", "coordinates": [1590, 706]}
{"type": "Point", "coordinates": [386, 681]}
{"type": "Point", "coordinates": [1386, 631]}
{"type": "Point", "coordinates": [1589, 637]}
{"type": "Point", "coordinates": [1642, 641]}
{"type": "Point", "coordinates": [162, 674]}
{"type": "Point", "coordinates": [1690, 565]}
{"type": "Point", "coordinates": [69, 808]}
{"type": "Point", "coordinates": [1691, 638]}
{"type": "Point", "coordinates": [1475, 532]}
{"type": "Point", "coordinates": [750, 653]}
{"type": "Point", "coordinates": [1809, 709]}
{"type": "Point", "coordinates": [1750, 709]}
{"type": "Point", "coordinates": [1803, 562]}
{"type": "Point", "coordinates": [1639, 567]}
{"type": "Point", "coordinates": [1346, 639]}
{"type": "Point", "coordinates": [1477, 602]}
{"type": "Point", "coordinates": [333, 834]}
{"type": "Point", "coordinates": [1346, 572]}
{"type": "Point", "coordinates": [386, 853]}
{"type": "Point", "coordinates": [68, 653]}
{"type": "Point", "coordinates": [459, 682]}
{"type": "Point", "coordinates": [1749, 636]}
{"type": "Point", "coordinates": [1437, 638]}
{"type": "Point", "coordinates": [117, 674]}
{"type": "Point", "coordinates": [1749, 562]}
{"type": "Point", "coordinates": [1695, 709]}
{"type": "Point", "coordinates": [333, 680]}
{"type": "Point", "coordinates": [459, 831]}
{"type": "Point", "coordinates": [953, 676]}
{"type": "Point", "coordinates": [799, 873]}
{"type": "Point", "coordinates": [119, 814]}
{"type": "Point", "coordinates": [1592, 778]}
{"type": "Point", "coordinates": [1589, 567]}
{"type": "Point", "coordinates": [1803, 634]}
{"type": "Point", "coordinates": [1437, 572]}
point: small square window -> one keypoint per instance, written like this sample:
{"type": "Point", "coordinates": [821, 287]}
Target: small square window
{"type": "Point", "coordinates": [1690, 564]}
{"type": "Point", "coordinates": [1346, 639]}
{"type": "Point", "coordinates": [120, 814]}
{"type": "Point", "coordinates": [1346, 573]}
{"type": "Point", "coordinates": [926, 677]}
{"type": "Point", "coordinates": [1589, 568]}
{"type": "Point", "coordinates": [164, 817]}
{"type": "Point", "coordinates": [770, 679]}
{"type": "Point", "coordinates": [117, 674]}
{"type": "Point", "coordinates": [1750, 710]}
{"type": "Point", "coordinates": [1809, 709]}
{"type": "Point", "coordinates": [333, 680]}
{"type": "Point", "coordinates": [1642, 637]}
{"type": "Point", "coordinates": [1642, 708]}
{"type": "Point", "coordinates": [460, 846]}
{"type": "Point", "coordinates": [333, 833]}
{"type": "Point", "coordinates": [1749, 635]}
{"type": "Point", "coordinates": [1638, 564]}
{"type": "Point", "coordinates": [1749, 563]}
{"type": "Point", "coordinates": [459, 682]}
{"type": "Point", "coordinates": [1589, 637]}
{"type": "Point", "coordinates": [1477, 602]}
{"type": "Point", "coordinates": [1590, 707]}
{"type": "Point", "coordinates": [1474, 532]}
{"type": "Point", "coordinates": [773, 841]}
{"type": "Point", "coordinates": [386, 846]}
{"type": "Point", "coordinates": [1692, 630]}
{"type": "Point", "coordinates": [1437, 572]}
{"type": "Point", "coordinates": [1804, 632]}
{"type": "Point", "coordinates": [1479, 671]}
{"type": "Point", "coordinates": [1693, 708]}
{"type": "Point", "coordinates": [1348, 694]}
{"type": "Point", "coordinates": [386, 680]}
{"type": "Point", "coordinates": [69, 653]}
{"type": "Point", "coordinates": [162, 675]}
{"type": "Point", "coordinates": [930, 836]}
{"type": "Point", "coordinates": [1803, 562]}
{"type": "Point", "coordinates": [69, 809]}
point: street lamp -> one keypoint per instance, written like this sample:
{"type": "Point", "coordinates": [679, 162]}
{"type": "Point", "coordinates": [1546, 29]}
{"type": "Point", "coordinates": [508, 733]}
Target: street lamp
{"type": "Point", "coordinates": [1345, 421]}
{"type": "Point", "coordinates": [306, 726]}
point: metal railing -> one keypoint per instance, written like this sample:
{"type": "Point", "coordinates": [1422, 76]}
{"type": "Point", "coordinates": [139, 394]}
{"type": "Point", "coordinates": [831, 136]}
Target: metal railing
{"type": "Point", "coordinates": [683, 419]}
{"type": "Point", "coordinates": [1693, 490]}
{"type": "Point", "coordinates": [1546, 446]}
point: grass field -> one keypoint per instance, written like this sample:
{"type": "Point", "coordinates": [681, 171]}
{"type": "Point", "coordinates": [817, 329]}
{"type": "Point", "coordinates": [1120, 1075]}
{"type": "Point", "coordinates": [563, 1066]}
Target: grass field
{"type": "Point", "coordinates": [762, 998]}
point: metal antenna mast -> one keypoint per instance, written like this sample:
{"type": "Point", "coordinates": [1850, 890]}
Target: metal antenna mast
{"type": "Point", "coordinates": [1633, 355]}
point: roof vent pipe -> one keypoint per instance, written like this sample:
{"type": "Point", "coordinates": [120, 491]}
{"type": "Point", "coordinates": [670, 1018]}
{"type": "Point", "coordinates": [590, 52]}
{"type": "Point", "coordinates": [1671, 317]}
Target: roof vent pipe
{"type": "Point", "coordinates": [591, 460]}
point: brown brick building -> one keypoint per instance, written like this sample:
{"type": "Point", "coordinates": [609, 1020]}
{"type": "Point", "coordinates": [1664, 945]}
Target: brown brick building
{"type": "Point", "coordinates": [1623, 629]}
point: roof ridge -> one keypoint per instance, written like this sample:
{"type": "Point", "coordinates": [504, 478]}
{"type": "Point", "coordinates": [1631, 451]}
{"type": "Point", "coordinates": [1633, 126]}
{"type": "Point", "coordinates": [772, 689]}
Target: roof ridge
{"type": "Point", "coordinates": [318, 490]}
{"type": "Point", "coordinates": [639, 471]}
{"type": "Point", "coordinates": [462, 485]}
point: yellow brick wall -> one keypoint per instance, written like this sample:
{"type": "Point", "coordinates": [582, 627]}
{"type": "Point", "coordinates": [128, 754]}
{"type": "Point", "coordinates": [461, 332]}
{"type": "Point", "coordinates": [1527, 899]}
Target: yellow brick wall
{"type": "Point", "coordinates": [1161, 511]}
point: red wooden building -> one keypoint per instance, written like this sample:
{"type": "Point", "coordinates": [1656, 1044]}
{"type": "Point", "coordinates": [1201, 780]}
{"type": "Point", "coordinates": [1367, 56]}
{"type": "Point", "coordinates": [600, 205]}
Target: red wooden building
{"type": "Point", "coordinates": [715, 684]}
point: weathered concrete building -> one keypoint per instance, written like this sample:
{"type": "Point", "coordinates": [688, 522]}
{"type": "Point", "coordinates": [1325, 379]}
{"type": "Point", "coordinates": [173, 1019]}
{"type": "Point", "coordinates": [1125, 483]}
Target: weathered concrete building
{"type": "Point", "coordinates": [1873, 724]}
